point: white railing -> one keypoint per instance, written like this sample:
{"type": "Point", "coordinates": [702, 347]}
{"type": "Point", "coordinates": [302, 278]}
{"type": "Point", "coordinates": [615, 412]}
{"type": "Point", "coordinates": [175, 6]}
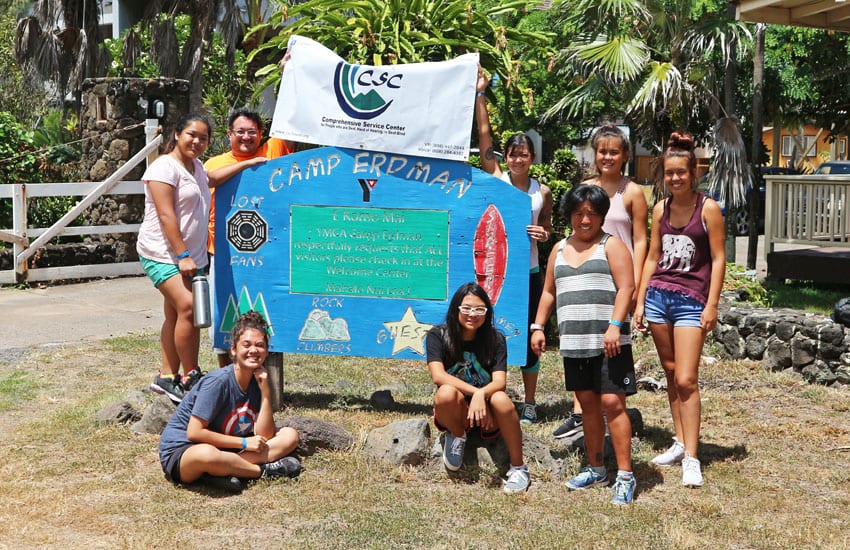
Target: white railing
{"type": "Point", "coordinates": [19, 235]}
{"type": "Point", "coordinates": [807, 210]}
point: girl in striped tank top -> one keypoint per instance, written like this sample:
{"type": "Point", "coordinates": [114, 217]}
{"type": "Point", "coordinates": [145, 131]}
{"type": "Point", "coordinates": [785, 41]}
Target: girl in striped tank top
{"type": "Point", "coordinates": [590, 280]}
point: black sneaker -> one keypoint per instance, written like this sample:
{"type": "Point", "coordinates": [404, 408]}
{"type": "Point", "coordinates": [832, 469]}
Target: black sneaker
{"type": "Point", "coordinates": [226, 484]}
{"type": "Point", "coordinates": [191, 379]}
{"type": "Point", "coordinates": [168, 386]}
{"type": "Point", "coordinates": [287, 466]}
{"type": "Point", "coordinates": [572, 426]}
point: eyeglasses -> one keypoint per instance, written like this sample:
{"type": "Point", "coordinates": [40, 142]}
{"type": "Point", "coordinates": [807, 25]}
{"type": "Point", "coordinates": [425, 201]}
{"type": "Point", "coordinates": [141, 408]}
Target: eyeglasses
{"type": "Point", "coordinates": [243, 133]}
{"type": "Point", "coordinates": [469, 310]}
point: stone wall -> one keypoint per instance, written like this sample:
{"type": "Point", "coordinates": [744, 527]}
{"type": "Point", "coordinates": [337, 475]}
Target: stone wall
{"type": "Point", "coordinates": [807, 343]}
{"type": "Point", "coordinates": [112, 129]}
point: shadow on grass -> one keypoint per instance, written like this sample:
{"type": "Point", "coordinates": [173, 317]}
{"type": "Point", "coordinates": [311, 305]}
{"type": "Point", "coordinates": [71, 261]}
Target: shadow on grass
{"type": "Point", "coordinates": [660, 439]}
{"type": "Point", "coordinates": [326, 401]}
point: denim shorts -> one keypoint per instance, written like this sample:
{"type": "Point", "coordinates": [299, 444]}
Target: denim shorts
{"type": "Point", "coordinates": [672, 308]}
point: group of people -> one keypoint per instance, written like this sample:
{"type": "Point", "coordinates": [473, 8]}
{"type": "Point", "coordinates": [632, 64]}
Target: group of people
{"type": "Point", "coordinates": [600, 279]}
{"type": "Point", "coordinates": [223, 430]}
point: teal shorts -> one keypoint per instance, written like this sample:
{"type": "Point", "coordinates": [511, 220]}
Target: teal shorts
{"type": "Point", "coordinates": [159, 272]}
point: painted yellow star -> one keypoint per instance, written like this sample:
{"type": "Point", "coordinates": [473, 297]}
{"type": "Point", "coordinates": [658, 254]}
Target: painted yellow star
{"type": "Point", "coordinates": [408, 333]}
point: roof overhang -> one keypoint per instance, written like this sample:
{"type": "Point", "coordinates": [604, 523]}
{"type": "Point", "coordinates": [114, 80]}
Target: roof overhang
{"type": "Point", "coordinates": [822, 14]}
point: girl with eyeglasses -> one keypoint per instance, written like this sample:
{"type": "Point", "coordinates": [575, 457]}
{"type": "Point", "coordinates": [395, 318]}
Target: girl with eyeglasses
{"type": "Point", "coordinates": [590, 282]}
{"type": "Point", "coordinates": [520, 157]}
{"type": "Point", "coordinates": [467, 359]}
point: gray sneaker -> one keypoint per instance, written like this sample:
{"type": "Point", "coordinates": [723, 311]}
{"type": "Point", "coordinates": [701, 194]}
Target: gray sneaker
{"type": "Point", "coordinates": [453, 451]}
{"type": "Point", "coordinates": [572, 426]}
{"type": "Point", "coordinates": [528, 413]}
{"type": "Point", "coordinates": [169, 387]}
{"type": "Point", "coordinates": [519, 478]}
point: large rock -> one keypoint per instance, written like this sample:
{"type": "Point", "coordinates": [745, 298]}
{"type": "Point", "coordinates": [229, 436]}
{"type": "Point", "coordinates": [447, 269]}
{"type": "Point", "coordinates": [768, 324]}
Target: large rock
{"type": "Point", "coordinates": [841, 312]}
{"type": "Point", "coordinates": [400, 443]}
{"type": "Point", "coordinates": [156, 416]}
{"type": "Point", "coordinates": [317, 434]}
{"type": "Point", "coordinates": [119, 412]}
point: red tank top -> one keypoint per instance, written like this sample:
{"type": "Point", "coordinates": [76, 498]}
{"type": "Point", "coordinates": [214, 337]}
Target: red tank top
{"type": "Point", "coordinates": [685, 262]}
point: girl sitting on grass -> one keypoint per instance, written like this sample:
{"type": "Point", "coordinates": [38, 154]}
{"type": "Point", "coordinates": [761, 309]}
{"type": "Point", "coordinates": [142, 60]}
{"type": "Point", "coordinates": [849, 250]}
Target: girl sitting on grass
{"type": "Point", "coordinates": [223, 430]}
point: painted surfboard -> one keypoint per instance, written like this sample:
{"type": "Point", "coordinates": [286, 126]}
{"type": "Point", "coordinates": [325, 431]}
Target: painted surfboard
{"type": "Point", "coordinates": [490, 252]}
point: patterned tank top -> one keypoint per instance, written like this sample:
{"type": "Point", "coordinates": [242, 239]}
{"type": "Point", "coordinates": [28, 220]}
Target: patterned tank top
{"type": "Point", "coordinates": [584, 297]}
{"type": "Point", "coordinates": [685, 262]}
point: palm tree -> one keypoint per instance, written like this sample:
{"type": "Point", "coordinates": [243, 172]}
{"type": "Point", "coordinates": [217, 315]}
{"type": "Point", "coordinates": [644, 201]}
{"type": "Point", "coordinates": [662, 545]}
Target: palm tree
{"type": "Point", "coordinates": [61, 41]}
{"type": "Point", "coordinates": [644, 58]}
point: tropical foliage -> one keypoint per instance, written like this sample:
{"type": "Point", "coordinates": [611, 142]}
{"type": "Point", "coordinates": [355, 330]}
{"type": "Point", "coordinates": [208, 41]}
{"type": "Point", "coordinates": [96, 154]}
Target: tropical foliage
{"type": "Point", "coordinates": [658, 62]}
{"type": "Point", "coordinates": [381, 32]}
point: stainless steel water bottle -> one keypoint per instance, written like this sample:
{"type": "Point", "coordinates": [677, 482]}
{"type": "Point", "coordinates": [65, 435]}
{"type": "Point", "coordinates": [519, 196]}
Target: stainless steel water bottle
{"type": "Point", "coordinates": [201, 301]}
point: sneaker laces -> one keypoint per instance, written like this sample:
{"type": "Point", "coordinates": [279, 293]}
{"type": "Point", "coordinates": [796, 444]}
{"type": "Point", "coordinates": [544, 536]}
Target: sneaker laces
{"type": "Point", "coordinates": [458, 444]}
{"type": "Point", "coordinates": [621, 487]}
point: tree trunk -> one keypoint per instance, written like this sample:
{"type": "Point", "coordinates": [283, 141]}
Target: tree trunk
{"type": "Point", "coordinates": [755, 150]}
{"type": "Point", "coordinates": [729, 107]}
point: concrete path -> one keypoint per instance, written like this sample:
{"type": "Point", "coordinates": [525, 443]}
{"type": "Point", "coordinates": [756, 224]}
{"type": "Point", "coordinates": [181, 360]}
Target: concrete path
{"type": "Point", "coordinates": [85, 311]}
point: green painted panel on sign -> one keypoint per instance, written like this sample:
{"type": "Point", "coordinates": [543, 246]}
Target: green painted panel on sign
{"type": "Point", "coordinates": [370, 252]}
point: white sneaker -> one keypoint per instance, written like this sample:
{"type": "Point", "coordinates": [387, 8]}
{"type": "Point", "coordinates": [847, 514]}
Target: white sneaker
{"type": "Point", "coordinates": [671, 456]}
{"type": "Point", "coordinates": [691, 473]}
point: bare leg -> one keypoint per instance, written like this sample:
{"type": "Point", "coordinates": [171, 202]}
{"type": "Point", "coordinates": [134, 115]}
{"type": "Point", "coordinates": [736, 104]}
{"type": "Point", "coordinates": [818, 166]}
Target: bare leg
{"type": "Point", "coordinates": [206, 459]}
{"type": "Point", "coordinates": [620, 426]}
{"type": "Point", "coordinates": [186, 337]}
{"type": "Point", "coordinates": [688, 347]}
{"type": "Point", "coordinates": [594, 426]}
{"type": "Point", "coordinates": [450, 409]}
{"type": "Point", "coordinates": [504, 413]}
{"type": "Point", "coordinates": [529, 380]}
{"type": "Point", "coordinates": [170, 359]}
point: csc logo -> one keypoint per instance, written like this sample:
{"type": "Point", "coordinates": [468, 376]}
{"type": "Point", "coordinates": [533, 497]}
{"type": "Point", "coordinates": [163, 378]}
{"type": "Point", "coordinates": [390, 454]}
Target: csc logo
{"type": "Point", "coordinates": [348, 79]}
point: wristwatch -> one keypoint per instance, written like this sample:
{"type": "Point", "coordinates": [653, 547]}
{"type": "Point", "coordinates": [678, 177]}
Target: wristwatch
{"type": "Point", "coordinates": [535, 326]}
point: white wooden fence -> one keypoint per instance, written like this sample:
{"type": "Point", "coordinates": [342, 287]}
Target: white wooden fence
{"type": "Point", "coordinates": [20, 235]}
{"type": "Point", "coordinates": [807, 210]}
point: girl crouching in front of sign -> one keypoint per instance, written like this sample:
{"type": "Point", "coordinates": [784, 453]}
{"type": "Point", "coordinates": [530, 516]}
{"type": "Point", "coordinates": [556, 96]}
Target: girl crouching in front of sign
{"type": "Point", "coordinates": [467, 358]}
{"type": "Point", "coordinates": [590, 280]}
{"type": "Point", "coordinates": [223, 430]}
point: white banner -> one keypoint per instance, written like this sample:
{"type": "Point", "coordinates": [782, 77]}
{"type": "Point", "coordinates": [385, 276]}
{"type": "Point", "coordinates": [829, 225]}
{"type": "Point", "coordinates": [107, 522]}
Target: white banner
{"type": "Point", "coordinates": [420, 109]}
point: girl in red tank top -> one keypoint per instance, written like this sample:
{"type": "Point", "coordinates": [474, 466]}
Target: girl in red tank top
{"type": "Point", "coordinates": [678, 295]}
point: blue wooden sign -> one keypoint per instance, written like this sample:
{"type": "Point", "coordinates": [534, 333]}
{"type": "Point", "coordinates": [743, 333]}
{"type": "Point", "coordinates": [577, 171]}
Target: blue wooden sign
{"type": "Point", "coordinates": [351, 252]}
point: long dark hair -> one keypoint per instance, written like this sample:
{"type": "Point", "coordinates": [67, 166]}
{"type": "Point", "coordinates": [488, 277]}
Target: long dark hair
{"type": "Point", "coordinates": [520, 140]}
{"type": "Point", "coordinates": [181, 124]}
{"type": "Point", "coordinates": [485, 336]}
